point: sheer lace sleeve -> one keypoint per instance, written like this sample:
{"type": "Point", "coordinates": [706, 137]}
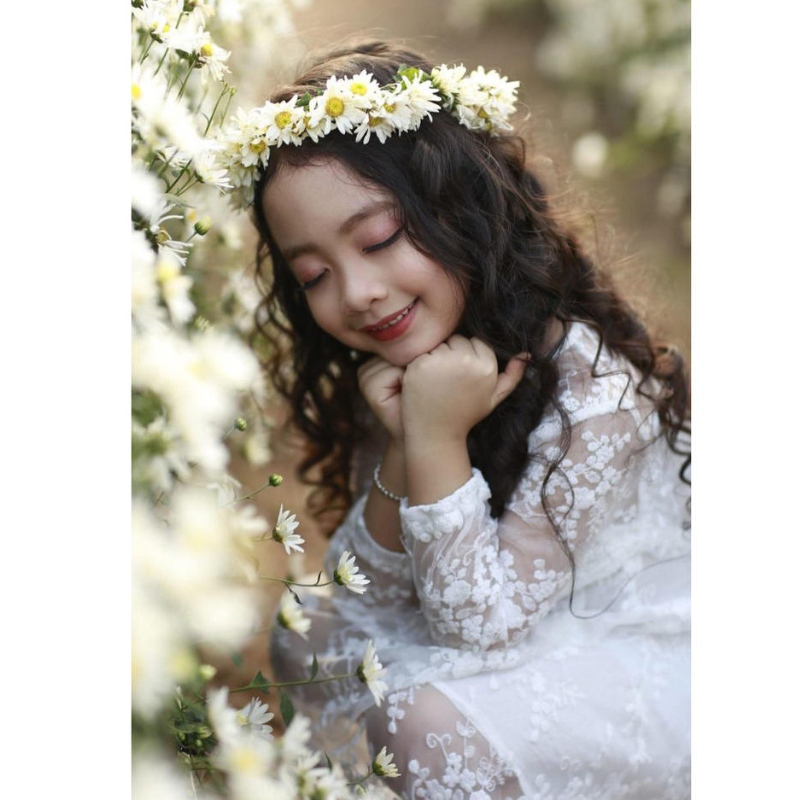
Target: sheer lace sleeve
{"type": "Point", "coordinates": [483, 582]}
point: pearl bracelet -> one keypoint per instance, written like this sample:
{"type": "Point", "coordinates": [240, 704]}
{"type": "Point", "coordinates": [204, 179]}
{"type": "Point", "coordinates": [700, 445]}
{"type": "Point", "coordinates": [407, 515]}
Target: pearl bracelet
{"type": "Point", "coordinates": [381, 488]}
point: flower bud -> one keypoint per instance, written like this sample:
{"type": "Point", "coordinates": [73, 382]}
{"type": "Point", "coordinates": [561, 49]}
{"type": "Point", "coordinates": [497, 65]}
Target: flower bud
{"type": "Point", "coordinates": [240, 424]}
{"type": "Point", "coordinates": [203, 226]}
{"type": "Point", "coordinates": [275, 479]}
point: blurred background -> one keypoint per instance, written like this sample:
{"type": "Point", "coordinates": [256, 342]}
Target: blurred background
{"type": "Point", "coordinates": [604, 103]}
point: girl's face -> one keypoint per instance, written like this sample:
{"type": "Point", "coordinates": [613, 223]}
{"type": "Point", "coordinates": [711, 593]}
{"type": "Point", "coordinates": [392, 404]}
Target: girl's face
{"type": "Point", "coordinates": [365, 283]}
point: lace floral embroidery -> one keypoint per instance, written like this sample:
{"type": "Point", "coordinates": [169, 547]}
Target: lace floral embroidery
{"type": "Point", "coordinates": [465, 774]}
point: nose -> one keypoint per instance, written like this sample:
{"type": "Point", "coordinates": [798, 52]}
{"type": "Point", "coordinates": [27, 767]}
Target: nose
{"type": "Point", "coordinates": [361, 286]}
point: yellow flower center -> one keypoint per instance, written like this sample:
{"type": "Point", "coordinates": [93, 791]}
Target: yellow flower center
{"type": "Point", "coordinates": [136, 91]}
{"type": "Point", "coordinates": [358, 88]}
{"type": "Point", "coordinates": [283, 118]}
{"type": "Point", "coordinates": [375, 121]}
{"type": "Point", "coordinates": [390, 107]}
{"type": "Point", "coordinates": [207, 50]}
{"type": "Point", "coordinates": [334, 107]}
{"type": "Point", "coordinates": [246, 761]}
{"type": "Point", "coordinates": [258, 146]}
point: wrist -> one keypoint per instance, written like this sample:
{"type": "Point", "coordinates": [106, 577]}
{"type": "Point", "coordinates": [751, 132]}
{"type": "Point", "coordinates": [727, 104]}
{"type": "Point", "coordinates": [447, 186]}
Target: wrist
{"type": "Point", "coordinates": [436, 469]}
{"type": "Point", "coordinates": [386, 492]}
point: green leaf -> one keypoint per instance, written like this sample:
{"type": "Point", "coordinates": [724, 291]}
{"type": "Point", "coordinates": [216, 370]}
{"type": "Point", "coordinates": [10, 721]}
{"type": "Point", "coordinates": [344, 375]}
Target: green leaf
{"type": "Point", "coordinates": [314, 667]}
{"type": "Point", "coordinates": [260, 682]}
{"type": "Point", "coordinates": [287, 708]}
{"type": "Point", "coordinates": [237, 659]}
{"type": "Point", "coordinates": [411, 73]}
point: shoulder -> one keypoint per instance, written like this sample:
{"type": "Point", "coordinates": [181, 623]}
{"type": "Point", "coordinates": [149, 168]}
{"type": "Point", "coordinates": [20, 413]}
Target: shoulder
{"type": "Point", "coordinates": [594, 383]}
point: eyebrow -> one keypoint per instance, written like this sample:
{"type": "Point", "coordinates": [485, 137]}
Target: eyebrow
{"type": "Point", "coordinates": [352, 222]}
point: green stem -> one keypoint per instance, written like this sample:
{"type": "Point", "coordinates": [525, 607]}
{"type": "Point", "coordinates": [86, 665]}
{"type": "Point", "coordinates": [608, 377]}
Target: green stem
{"type": "Point", "coordinates": [188, 75]}
{"type": "Point", "coordinates": [214, 110]}
{"type": "Point", "coordinates": [190, 181]}
{"type": "Point", "coordinates": [171, 188]}
{"type": "Point", "coordinates": [161, 63]}
{"type": "Point", "coordinates": [146, 50]}
{"type": "Point", "coordinates": [284, 684]}
{"type": "Point", "coordinates": [251, 494]}
{"type": "Point", "coordinates": [290, 582]}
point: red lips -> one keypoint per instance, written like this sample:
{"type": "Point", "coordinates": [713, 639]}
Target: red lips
{"type": "Point", "coordinates": [393, 325]}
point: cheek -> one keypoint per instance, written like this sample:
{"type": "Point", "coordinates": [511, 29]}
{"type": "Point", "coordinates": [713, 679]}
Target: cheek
{"type": "Point", "coordinates": [324, 311]}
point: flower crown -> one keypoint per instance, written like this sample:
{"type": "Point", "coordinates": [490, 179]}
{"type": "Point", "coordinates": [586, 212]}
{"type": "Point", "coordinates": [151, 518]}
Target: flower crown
{"type": "Point", "coordinates": [480, 100]}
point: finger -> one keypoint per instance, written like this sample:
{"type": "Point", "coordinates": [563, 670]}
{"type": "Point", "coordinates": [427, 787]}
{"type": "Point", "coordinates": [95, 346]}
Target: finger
{"type": "Point", "coordinates": [373, 367]}
{"type": "Point", "coordinates": [508, 380]}
{"type": "Point", "coordinates": [481, 349]}
{"type": "Point", "coordinates": [455, 342]}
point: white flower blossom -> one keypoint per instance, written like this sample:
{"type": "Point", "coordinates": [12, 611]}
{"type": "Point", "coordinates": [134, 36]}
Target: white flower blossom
{"type": "Point", "coordinates": [161, 118]}
{"type": "Point", "coordinates": [283, 531]}
{"type": "Point", "coordinates": [255, 716]}
{"type": "Point", "coordinates": [370, 672]}
{"type": "Point", "coordinates": [283, 122]}
{"type": "Point", "coordinates": [294, 742]}
{"type": "Point", "coordinates": [482, 100]}
{"type": "Point", "coordinates": [346, 574]}
{"type": "Point", "coordinates": [291, 617]}
{"type": "Point", "coordinates": [336, 108]}
{"type": "Point", "coordinates": [383, 765]}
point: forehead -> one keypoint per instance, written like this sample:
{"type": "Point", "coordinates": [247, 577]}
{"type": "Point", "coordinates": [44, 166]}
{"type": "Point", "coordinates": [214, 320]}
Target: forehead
{"type": "Point", "coordinates": [318, 196]}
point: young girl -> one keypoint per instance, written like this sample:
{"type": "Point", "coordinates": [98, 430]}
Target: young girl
{"type": "Point", "coordinates": [499, 440]}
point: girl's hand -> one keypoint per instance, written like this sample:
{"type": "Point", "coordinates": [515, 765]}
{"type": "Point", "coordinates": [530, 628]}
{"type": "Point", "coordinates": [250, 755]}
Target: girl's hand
{"type": "Point", "coordinates": [381, 383]}
{"type": "Point", "coordinates": [447, 391]}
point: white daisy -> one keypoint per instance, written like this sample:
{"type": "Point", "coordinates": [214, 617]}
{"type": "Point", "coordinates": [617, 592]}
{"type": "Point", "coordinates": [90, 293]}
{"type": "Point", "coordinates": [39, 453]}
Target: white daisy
{"type": "Point", "coordinates": [370, 672]}
{"type": "Point", "coordinates": [337, 107]}
{"type": "Point", "coordinates": [423, 98]}
{"type": "Point", "coordinates": [294, 742]}
{"type": "Point", "coordinates": [291, 616]}
{"type": "Point", "coordinates": [284, 122]}
{"type": "Point", "coordinates": [244, 140]}
{"type": "Point", "coordinates": [212, 58]}
{"type": "Point", "coordinates": [377, 124]}
{"type": "Point", "coordinates": [283, 531]}
{"type": "Point", "coordinates": [365, 90]}
{"type": "Point", "coordinates": [210, 170]}
{"type": "Point", "coordinates": [383, 765]}
{"type": "Point", "coordinates": [448, 80]}
{"type": "Point", "coordinates": [346, 574]}
{"type": "Point", "coordinates": [255, 716]}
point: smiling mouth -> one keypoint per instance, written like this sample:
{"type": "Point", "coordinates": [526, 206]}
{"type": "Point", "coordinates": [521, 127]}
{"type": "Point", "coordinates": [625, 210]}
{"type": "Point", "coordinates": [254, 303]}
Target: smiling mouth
{"type": "Point", "coordinates": [392, 322]}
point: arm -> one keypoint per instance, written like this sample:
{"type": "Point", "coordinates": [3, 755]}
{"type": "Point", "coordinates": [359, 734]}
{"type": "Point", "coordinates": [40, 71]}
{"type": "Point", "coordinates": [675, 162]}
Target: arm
{"type": "Point", "coordinates": [484, 582]}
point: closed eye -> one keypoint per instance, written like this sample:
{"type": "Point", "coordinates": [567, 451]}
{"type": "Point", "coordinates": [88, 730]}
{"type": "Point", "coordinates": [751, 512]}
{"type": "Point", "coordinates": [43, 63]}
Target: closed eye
{"type": "Point", "coordinates": [304, 287]}
{"type": "Point", "coordinates": [385, 243]}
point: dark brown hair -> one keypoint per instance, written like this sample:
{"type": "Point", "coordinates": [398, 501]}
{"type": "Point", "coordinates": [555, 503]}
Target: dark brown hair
{"type": "Point", "coordinates": [469, 202]}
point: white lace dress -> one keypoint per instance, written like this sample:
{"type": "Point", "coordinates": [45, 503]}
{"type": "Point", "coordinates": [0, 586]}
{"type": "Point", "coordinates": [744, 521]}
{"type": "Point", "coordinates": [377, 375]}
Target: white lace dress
{"type": "Point", "coordinates": [496, 688]}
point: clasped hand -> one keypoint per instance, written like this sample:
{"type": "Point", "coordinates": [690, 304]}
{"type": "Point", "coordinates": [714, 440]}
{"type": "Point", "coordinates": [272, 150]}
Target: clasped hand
{"type": "Point", "coordinates": [440, 395]}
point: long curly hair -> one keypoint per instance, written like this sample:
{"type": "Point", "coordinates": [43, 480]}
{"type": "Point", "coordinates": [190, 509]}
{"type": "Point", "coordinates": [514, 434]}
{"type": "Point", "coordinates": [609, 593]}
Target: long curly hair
{"type": "Point", "coordinates": [469, 201]}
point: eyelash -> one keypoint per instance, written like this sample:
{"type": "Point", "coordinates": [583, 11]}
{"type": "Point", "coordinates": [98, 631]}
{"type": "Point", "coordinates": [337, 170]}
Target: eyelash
{"type": "Point", "coordinates": [386, 243]}
{"type": "Point", "coordinates": [304, 287]}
